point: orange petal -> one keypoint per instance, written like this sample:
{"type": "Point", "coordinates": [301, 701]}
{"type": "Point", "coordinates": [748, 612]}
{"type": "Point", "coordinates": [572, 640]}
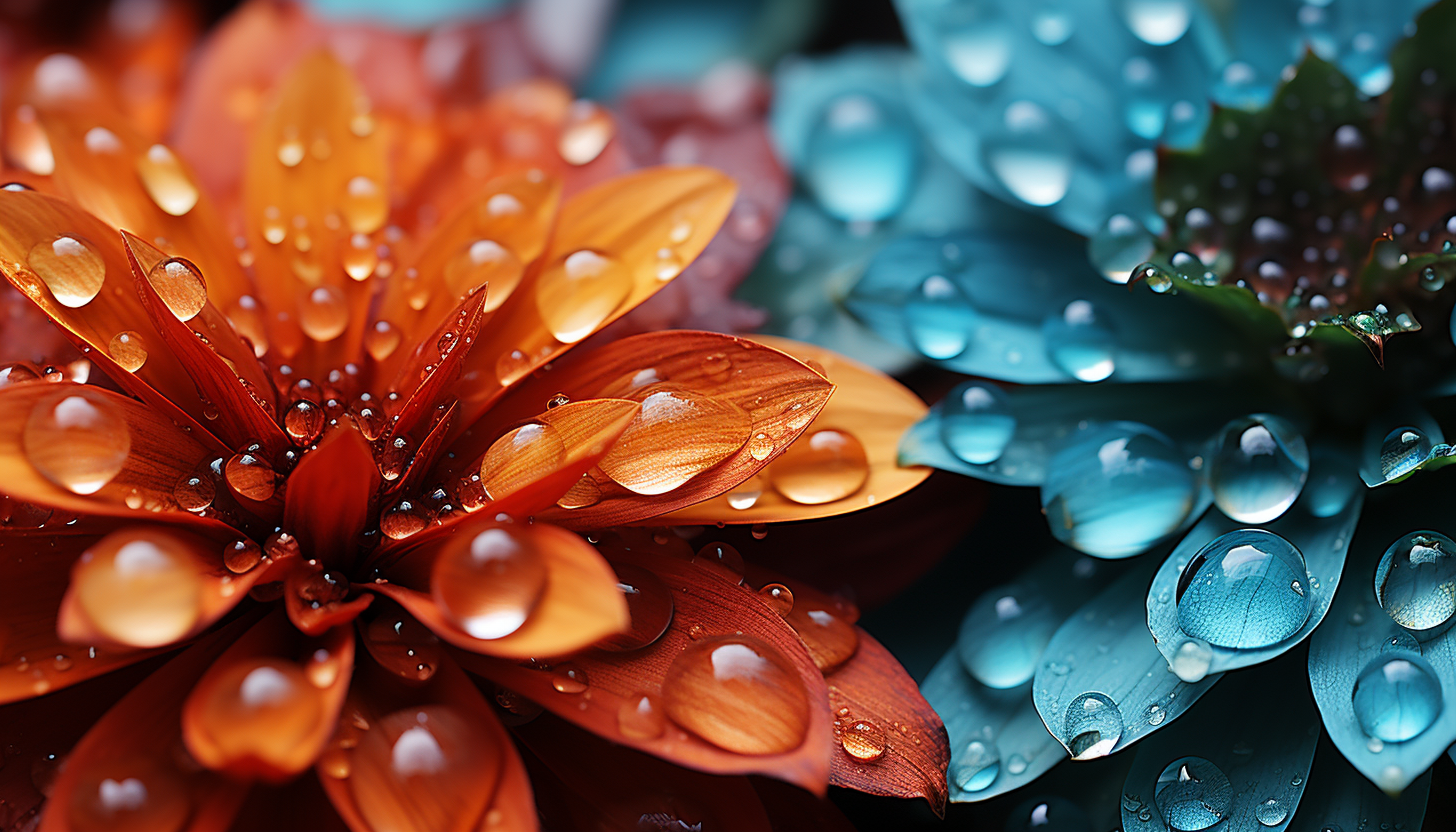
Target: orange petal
{"type": "Point", "coordinates": [269, 704]}
{"type": "Point", "coordinates": [891, 741]}
{"type": "Point", "coordinates": [772, 720]}
{"type": "Point", "coordinates": [34, 571]}
{"type": "Point", "coordinates": [614, 246]}
{"type": "Point", "coordinates": [91, 451]}
{"type": "Point", "coordinates": [569, 600]}
{"type": "Point", "coordinates": [434, 366]}
{"type": "Point", "coordinates": [149, 586]}
{"type": "Point", "coordinates": [872, 408]}
{"type": "Point", "coordinates": [73, 266]}
{"type": "Point", "coordinates": [130, 770]}
{"type": "Point", "coordinates": [316, 187]}
{"type": "Point", "coordinates": [707, 379]}
{"type": "Point", "coordinates": [424, 758]}
{"type": "Point", "coordinates": [219, 362]}
{"type": "Point", "coordinates": [418, 469]}
{"type": "Point", "coordinates": [589, 783]}
{"type": "Point", "coordinates": [330, 494]}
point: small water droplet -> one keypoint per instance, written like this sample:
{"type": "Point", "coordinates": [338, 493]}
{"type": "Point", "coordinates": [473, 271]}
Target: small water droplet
{"type": "Point", "coordinates": [640, 717]}
{"type": "Point", "coordinates": [1093, 725]}
{"type": "Point", "coordinates": [180, 285]}
{"type": "Point", "coordinates": [128, 350]}
{"type": "Point", "coordinates": [432, 753]}
{"type": "Point", "coordinates": [129, 795]}
{"type": "Point", "coordinates": [484, 263]}
{"type": "Point", "coordinates": [863, 155]}
{"type": "Point", "coordinates": [1415, 581]}
{"type": "Point", "coordinates": [976, 768]}
{"type": "Point", "coordinates": [404, 519]}
{"type": "Point", "coordinates": [863, 740]}
{"type": "Point", "coordinates": [649, 606]}
{"type": "Point", "coordinates": [250, 476]}
{"type": "Point", "coordinates": [651, 458]}
{"type": "Point", "coordinates": [1004, 634]}
{"type": "Point", "coordinates": [1397, 696]}
{"type": "Point", "coordinates": [167, 183]}
{"type": "Point", "coordinates": [779, 598]}
{"type": "Point", "coordinates": [1030, 155]}
{"type": "Point", "coordinates": [323, 313]}
{"type": "Point", "coordinates": [1016, 764]}
{"type": "Point", "coordinates": [1271, 812]}
{"type": "Point", "coordinates": [1192, 794]}
{"type": "Point", "coordinates": [1192, 660]}
{"type": "Point", "coordinates": [520, 458]}
{"type": "Point", "coordinates": [1402, 450]}
{"type": "Point", "coordinates": [585, 134]}
{"type": "Point", "coordinates": [1258, 467]}
{"type": "Point", "coordinates": [364, 205]}
{"type": "Point", "coordinates": [241, 555]}
{"type": "Point", "coordinates": [1119, 247]}
{"type": "Point", "coordinates": [721, 560]}
{"type": "Point", "coordinates": [71, 267]}
{"type": "Point", "coordinates": [825, 466]}
{"type": "Point", "coordinates": [1080, 340]}
{"type": "Point", "coordinates": [939, 318]}
{"type": "Point", "coordinates": [1241, 591]}
{"type": "Point", "coordinates": [568, 678]}
{"type": "Point", "coordinates": [976, 422]}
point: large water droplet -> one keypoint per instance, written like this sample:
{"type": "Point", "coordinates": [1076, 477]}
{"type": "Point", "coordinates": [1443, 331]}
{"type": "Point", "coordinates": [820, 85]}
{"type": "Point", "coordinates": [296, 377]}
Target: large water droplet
{"type": "Point", "coordinates": [649, 605]}
{"type": "Point", "coordinates": [737, 693]}
{"type": "Point", "coordinates": [976, 767]}
{"type": "Point", "coordinates": [1192, 794]}
{"type": "Point", "coordinates": [1031, 156]}
{"type": "Point", "coordinates": [520, 458]}
{"type": "Point", "coordinates": [1093, 725]}
{"type": "Point", "coordinates": [825, 466]}
{"type": "Point", "coordinates": [585, 134]}
{"type": "Point", "coordinates": [676, 435]}
{"type": "Point", "coordinates": [1081, 341]}
{"type": "Point", "coordinates": [1157, 22]}
{"type": "Point", "coordinates": [263, 708]}
{"type": "Point", "coordinates": [180, 286]}
{"type": "Point", "coordinates": [484, 263]}
{"type": "Point", "coordinates": [128, 350]}
{"type": "Point", "coordinates": [432, 755]}
{"type": "Point", "coordinates": [487, 584]}
{"type": "Point", "coordinates": [1114, 490]}
{"type": "Point", "coordinates": [976, 422]}
{"type": "Point", "coordinates": [1397, 697]}
{"type": "Point", "coordinates": [862, 158]}
{"type": "Point", "coordinates": [1003, 635]}
{"type": "Point", "coordinates": [129, 796]}
{"type": "Point", "coordinates": [1403, 449]}
{"type": "Point", "coordinates": [1244, 589]}
{"type": "Point", "coordinates": [1415, 582]}
{"type": "Point", "coordinates": [577, 294]}
{"type": "Point", "coordinates": [364, 205]}
{"type": "Point", "coordinates": [1119, 247]}
{"type": "Point", "coordinates": [139, 586]}
{"type": "Point", "coordinates": [250, 476]}
{"type": "Point", "coordinates": [77, 440]}
{"type": "Point", "coordinates": [975, 41]}
{"type": "Point", "coordinates": [166, 182]}
{"type": "Point", "coordinates": [939, 318]}
{"type": "Point", "coordinates": [323, 313]}
{"type": "Point", "coordinates": [71, 268]}
{"type": "Point", "coordinates": [1257, 468]}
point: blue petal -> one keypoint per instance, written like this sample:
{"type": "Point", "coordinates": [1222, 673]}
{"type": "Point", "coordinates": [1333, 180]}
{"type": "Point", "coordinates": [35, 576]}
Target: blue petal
{"type": "Point", "coordinates": [1262, 749]}
{"type": "Point", "coordinates": [417, 14]}
{"type": "Point", "coordinates": [1322, 538]}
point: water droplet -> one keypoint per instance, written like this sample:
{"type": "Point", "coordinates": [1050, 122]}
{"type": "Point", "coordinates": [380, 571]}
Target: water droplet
{"type": "Point", "coordinates": [404, 646]}
{"type": "Point", "coordinates": [739, 694]}
{"type": "Point", "coordinates": [1157, 22]}
{"type": "Point", "coordinates": [262, 708]}
{"type": "Point", "coordinates": [195, 492]}
{"type": "Point", "coordinates": [1271, 812]}
{"type": "Point", "coordinates": [403, 519]}
{"type": "Point", "coordinates": [1192, 794]}
{"type": "Point", "coordinates": [364, 205]}
{"type": "Point", "coordinates": [290, 152]}
{"type": "Point", "coordinates": [976, 422]}
{"type": "Point", "coordinates": [640, 717]}
{"type": "Point", "coordinates": [863, 156]}
{"type": "Point", "coordinates": [1093, 726]}
{"type": "Point", "coordinates": [584, 492]}
{"type": "Point", "coordinates": [863, 740]}
{"type": "Point", "coordinates": [649, 606]}
{"type": "Point", "coordinates": [77, 440]}
{"type": "Point", "coordinates": [180, 286]}
{"type": "Point", "coordinates": [653, 456]}
{"type": "Point", "coordinates": [1244, 589]}
{"type": "Point", "coordinates": [1119, 247]}
{"type": "Point", "coordinates": [484, 263]}
{"type": "Point", "coordinates": [1258, 466]}
{"type": "Point", "coordinates": [250, 476]}
{"type": "Point", "coordinates": [1415, 582]}
{"type": "Point", "coordinates": [1030, 156]}
{"type": "Point", "coordinates": [568, 678]}
{"type": "Point", "coordinates": [1349, 160]}
{"type": "Point", "coordinates": [1114, 490]}
{"type": "Point", "coordinates": [139, 586]}
{"type": "Point", "coordinates": [303, 421]}
{"type": "Point", "coordinates": [359, 257]}
{"type": "Point", "coordinates": [323, 313]}
{"type": "Point", "coordinates": [939, 318]}
{"type": "Point", "coordinates": [167, 183]}
{"type": "Point", "coordinates": [71, 267]}
{"type": "Point", "coordinates": [976, 767]}
{"type": "Point", "coordinates": [128, 351]}
{"type": "Point", "coordinates": [779, 598]}
{"type": "Point", "coordinates": [382, 339]}
{"type": "Point", "coordinates": [577, 294]}
{"type": "Point", "coordinates": [1192, 660]}
{"type": "Point", "coordinates": [721, 560]}
{"type": "Point", "coordinates": [585, 134]}
{"type": "Point", "coordinates": [825, 466]}
{"type": "Point", "coordinates": [1332, 483]}
{"type": "Point", "coordinates": [520, 458]}
{"type": "Point", "coordinates": [487, 584]}
{"type": "Point", "coordinates": [129, 796]}
{"type": "Point", "coordinates": [1403, 449]}
{"type": "Point", "coordinates": [241, 555]}
{"type": "Point", "coordinates": [1003, 635]}
{"type": "Point", "coordinates": [1080, 341]}
{"type": "Point", "coordinates": [1016, 764]}
{"type": "Point", "coordinates": [433, 754]}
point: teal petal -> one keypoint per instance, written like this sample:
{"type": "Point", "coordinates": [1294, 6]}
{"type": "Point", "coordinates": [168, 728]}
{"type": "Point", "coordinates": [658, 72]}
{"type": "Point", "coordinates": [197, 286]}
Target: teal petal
{"type": "Point", "coordinates": [417, 14]}
{"type": "Point", "coordinates": [1339, 798]}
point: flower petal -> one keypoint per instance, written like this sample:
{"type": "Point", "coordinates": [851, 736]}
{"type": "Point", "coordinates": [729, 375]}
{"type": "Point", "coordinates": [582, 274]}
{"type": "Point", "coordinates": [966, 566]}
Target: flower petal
{"type": "Point", "coordinates": [98, 304]}
{"type": "Point", "coordinates": [342, 467]}
{"type": "Point", "coordinates": [704, 606]}
{"type": "Point", "coordinates": [579, 605]}
{"type": "Point", "coordinates": [316, 185]}
{"type": "Point", "coordinates": [614, 246]}
{"type": "Point", "coordinates": [267, 706]}
{"type": "Point", "coordinates": [134, 754]}
{"type": "Point", "coordinates": [868, 405]}
{"type": "Point", "coordinates": [727, 375]}
{"type": "Point", "coordinates": [1346, 799]}
{"type": "Point", "coordinates": [433, 367]}
{"type": "Point", "coordinates": [127, 462]}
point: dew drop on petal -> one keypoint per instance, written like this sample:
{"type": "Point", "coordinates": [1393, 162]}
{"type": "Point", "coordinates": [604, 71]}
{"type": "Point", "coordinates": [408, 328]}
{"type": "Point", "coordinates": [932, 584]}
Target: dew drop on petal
{"type": "Point", "coordinates": [1397, 696]}
{"type": "Point", "coordinates": [242, 555]}
{"type": "Point", "coordinates": [1192, 794]}
{"type": "Point", "coordinates": [1157, 22]}
{"type": "Point", "coordinates": [1081, 341]}
{"type": "Point", "coordinates": [676, 435]}
{"type": "Point", "coordinates": [976, 422]}
{"type": "Point", "coordinates": [519, 458]}
{"type": "Point", "coordinates": [863, 157]}
{"type": "Point", "coordinates": [77, 440]}
{"type": "Point", "coordinates": [779, 598]}
{"type": "Point", "coordinates": [568, 678]}
{"type": "Point", "coordinates": [139, 586]}
{"type": "Point", "coordinates": [250, 476]}
{"type": "Point", "coordinates": [1270, 812]}
{"type": "Point", "coordinates": [827, 636]}
{"type": "Point", "coordinates": [180, 285]}
{"type": "Point", "coordinates": [1191, 660]}
{"type": "Point", "coordinates": [323, 313]}
{"type": "Point", "coordinates": [128, 350]}
{"type": "Point", "coordinates": [262, 707]}
{"type": "Point", "coordinates": [1003, 635]}
{"type": "Point", "coordinates": [1402, 450]}
{"type": "Point", "coordinates": [71, 267]}
{"type": "Point", "coordinates": [403, 519]}
{"type": "Point", "coordinates": [195, 492]}
{"type": "Point", "coordinates": [1031, 156]}
{"type": "Point", "coordinates": [165, 180]}
{"type": "Point", "coordinates": [1258, 467]}
{"type": "Point", "coordinates": [863, 740]}
{"type": "Point", "coordinates": [303, 421]}
{"type": "Point", "coordinates": [1415, 581]}
{"type": "Point", "coordinates": [364, 205]}
{"type": "Point", "coordinates": [129, 796]}
{"type": "Point", "coordinates": [977, 766]}
{"type": "Point", "coordinates": [739, 694]}
{"type": "Point", "coordinates": [404, 646]}
{"type": "Point", "coordinates": [825, 466]}
{"type": "Point", "coordinates": [641, 717]}
{"type": "Point", "coordinates": [1092, 726]}
{"type": "Point", "coordinates": [585, 134]}
{"type": "Point", "coordinates": [432, 753]}
{"type": "Point", "coordinates": [484, 263]}
{"type": "Point", "coordinates": [649, 606]}
{"type": "Point", "coordinates": [489, 583]}
{"type": "Point", "coordinates": [939, 318]}
{"type": "Point", "coordinates": [584, 492]}
{"type": "Point", "coordinates": [382, 339]}
{"type": "Point", "coordinates": [1244, 589]}
{"type": "Point", "coordinates": [1119, 247]}
{"type": "Point", "coordinates": [577, 294]}
{"type": "Point", "coordinates": [721, 560]}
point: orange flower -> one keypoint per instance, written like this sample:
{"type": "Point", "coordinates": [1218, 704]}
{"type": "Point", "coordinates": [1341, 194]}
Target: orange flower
{"type": "Point", "coordinates": [346, 459]}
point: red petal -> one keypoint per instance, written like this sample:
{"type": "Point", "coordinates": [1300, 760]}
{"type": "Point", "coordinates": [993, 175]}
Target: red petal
{"type": "Point", "coordinates": [704, 606]}
{"type": "Point", "coordinates": [435, 366]}
{"type": "Point", "coordinates": [268, 705]}
{"type": "Point", "coordinates": [330, 495]}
